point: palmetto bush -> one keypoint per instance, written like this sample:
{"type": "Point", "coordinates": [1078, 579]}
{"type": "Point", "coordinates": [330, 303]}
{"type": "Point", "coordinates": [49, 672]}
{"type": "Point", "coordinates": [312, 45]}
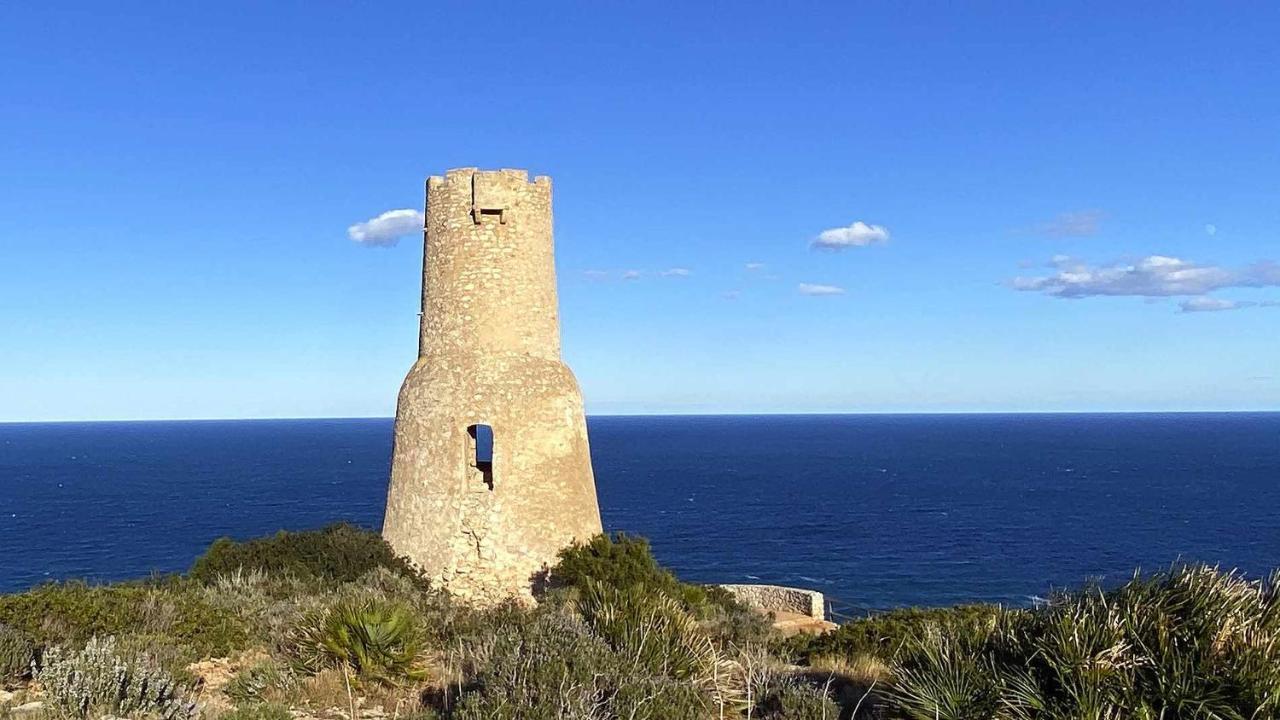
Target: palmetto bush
{"type": "Point", "coordinates": [1190, 643]}
{"type": "Point", "coordinates": [947, 674]}
{"type": "Point", "coordinates": [374, 638]}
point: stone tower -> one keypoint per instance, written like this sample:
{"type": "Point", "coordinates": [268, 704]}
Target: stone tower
{"type": "Point", "coordinates": [491, 474]}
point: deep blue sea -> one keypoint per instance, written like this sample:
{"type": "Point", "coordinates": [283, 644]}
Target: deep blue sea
{"type": "Point", "coordinates": [875, 510]}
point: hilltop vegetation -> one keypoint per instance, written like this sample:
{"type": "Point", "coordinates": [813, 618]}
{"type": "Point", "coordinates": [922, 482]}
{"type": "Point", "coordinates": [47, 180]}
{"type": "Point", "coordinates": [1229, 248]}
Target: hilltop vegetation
{"type": "Point", "coordinates": [332, 624]}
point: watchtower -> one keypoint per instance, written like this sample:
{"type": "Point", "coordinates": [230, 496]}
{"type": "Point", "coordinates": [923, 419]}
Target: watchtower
{"type": "Point", "coordinates": [491, 473]}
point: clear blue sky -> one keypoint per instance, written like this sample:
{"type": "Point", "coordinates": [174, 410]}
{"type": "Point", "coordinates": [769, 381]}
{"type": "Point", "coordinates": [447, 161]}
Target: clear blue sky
{"type": "Point", "coordinates": [1062, 208]}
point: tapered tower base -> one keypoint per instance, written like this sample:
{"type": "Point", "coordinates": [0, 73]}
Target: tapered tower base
{"type": "Point", "coordinates": [491, 474]}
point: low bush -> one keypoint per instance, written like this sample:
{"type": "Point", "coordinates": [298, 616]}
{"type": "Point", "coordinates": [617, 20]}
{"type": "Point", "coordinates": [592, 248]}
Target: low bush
{"type": "Point", "coordinates": [17, 653]}
{"type": "Point", "coordinates": [882, 635]}
{"type": "Point", "coordinates": [378, 640]}
{"type": "Point", "coordinates": [547, 664]}
{"type": "Point", "coordinates": [253, 683]}
{"type": "Point", "coordinates": [787, 697]}
{"type": "Point", "coordinates": [623, 562]}
{"type": "Point", "coordinates": [651, 631]}
{"type": "Point", "coordinates": [99, 680]}
{"type": "Point", "coordinates": [72, 612]}
{"type": "Point", "coordinates": [1193, 642]}
{"type": "Point", "coordinates": [337, 554]}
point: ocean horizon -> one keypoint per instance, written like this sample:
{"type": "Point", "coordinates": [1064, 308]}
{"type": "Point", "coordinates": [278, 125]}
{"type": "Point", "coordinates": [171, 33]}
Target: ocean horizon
{"type": "Point", "coordinates": [877, 510]}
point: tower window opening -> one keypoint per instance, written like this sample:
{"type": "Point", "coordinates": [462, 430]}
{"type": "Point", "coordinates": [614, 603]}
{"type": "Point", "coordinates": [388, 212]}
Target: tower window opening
{"type": "Point", "coordinates": [480, 450]}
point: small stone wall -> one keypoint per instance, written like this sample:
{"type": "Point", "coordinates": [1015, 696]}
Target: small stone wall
{"type": "Point", "coordinates": [781, 599]}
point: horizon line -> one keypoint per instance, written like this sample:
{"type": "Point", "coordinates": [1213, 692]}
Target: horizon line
{"type": "Point", "coordinates": [788, 413]}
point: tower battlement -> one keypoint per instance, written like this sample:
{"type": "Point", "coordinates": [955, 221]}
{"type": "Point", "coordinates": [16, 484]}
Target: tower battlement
{"type": "Point", "coordinates": [491, 473]}
{"type": "Point", "coordinates": [464, 175]}
{"type": "Point", "coordinates": [489, 280]}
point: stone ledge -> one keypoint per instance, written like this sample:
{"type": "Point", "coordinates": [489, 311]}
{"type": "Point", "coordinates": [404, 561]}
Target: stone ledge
{"type": "Point", "coordinates": [776, 598]}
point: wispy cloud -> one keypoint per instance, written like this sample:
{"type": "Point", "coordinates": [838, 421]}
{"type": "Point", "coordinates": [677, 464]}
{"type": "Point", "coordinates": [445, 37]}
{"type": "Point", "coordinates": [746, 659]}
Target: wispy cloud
{"type": "Point", "coordinates": [1210, 229]}
{"type": "Point", "coordinates": [731, 294]}
{"type": "Point", "coordinates": [1081, 223]}
{"type": "Point", "coordinates": [754, 266]}
{"type": "Point", "coordinates": [386, 229]}
{"type": "Point", "coordinates": [1152, 276]}
{"type": "Point", "coordinates": [631, 275]}
{"type": "Point", "coordinates": [596, 274]}
{"type": "Point", "coordinates": [1212, 304]}
{"type": "Point", "coordinates": [859, 234]}
{"type": "Point", "coordinates": [676, 272]}
{"type": "Point", "coordinates": [819, 290]}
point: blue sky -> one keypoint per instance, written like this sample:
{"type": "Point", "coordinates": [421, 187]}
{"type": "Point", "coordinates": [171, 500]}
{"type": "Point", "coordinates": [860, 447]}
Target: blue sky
{"type": "Point", "coordinates": [869, 207]}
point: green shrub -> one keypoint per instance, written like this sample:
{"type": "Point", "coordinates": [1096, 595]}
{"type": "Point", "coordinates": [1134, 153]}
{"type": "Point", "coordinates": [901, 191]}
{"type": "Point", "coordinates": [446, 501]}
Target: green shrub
{"type": "Point", "coordinates": [621, 561]}
{"type": "Point", "coordinates": [99, 680]}
{"type": "Point", "coordinates": [17, 653]}
{"type": "Point", "coordinates": [652, 631]}
{"type": "Point", "coordinates": [659, 698]}
{"type": "Point", "coordinates": [547, 664]}
{"type": "Point", "coordinates": [338, 553]}
{"type": "Point", "coordinates": [72, 612]}
{"type": "Point", "coordinates": [789, 698]}
{"type": "Point", "coordinates": [377, 639]}
{"type": "Point", "coordinates": [1193, 642]}
{"type": "Point", "coordinates": [883, 635]}
{"type": "Point", "coordinates": [536, 666]}
{"type": "Point", "coordinates": [946, 674]}
{"type": "Point", "coordinates": [252, 683]}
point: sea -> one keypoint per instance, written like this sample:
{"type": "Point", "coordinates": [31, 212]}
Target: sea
{"type": "Point", "coordinates": [876, 511]}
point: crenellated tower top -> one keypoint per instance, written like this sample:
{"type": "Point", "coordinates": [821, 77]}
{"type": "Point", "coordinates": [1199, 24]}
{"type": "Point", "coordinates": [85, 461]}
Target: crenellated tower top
{"type": "Point", "coordinates": [489, 281]}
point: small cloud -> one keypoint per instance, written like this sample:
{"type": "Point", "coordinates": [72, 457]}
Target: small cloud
{"type": "Point", "coordinates": [731, 294]}
{"type": "Point", "coordinates": [631, 275]}
{"type": "Point", "coordinates": [820, 290]}
{"type": "Point", "coordinates": [1082, 223]}
{"type": "Point", "coordinates": [387, 229]}
{"type": "Point", "coordinates": [676, 272]}
{"type": "Point", "coordinates": [1211, 229]}
{"type": "Point", "coordinates": [1152, 276]}
{"type": "Point", "coordinates": [1212, 304]}
{"type": "Point", "coordinates": [754, 266]}
{"type": "Point", "coordinates": [596, 274]}
{"type": "Point", "coordinates": [859, 234]}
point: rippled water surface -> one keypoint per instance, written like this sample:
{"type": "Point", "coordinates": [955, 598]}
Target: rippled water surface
{"type": "Point", "coordinates": [877, 511]}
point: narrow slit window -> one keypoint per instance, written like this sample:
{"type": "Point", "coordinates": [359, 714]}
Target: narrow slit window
{"type": "Point", "coordinates": [480, 452]}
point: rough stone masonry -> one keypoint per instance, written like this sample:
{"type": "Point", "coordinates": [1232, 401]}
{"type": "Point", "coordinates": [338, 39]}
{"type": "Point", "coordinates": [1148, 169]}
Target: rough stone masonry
{"type": "Point", "coordinates": [491, 475]}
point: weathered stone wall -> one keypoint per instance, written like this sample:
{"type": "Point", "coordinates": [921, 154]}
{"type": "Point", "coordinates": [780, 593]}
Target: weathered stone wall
{"type": "Point", "coordinates": [489, 353]}
{"type": "Point", "coordinates": [781, 599]}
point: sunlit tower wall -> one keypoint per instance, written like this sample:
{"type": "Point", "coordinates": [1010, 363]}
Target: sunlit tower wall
{"type": "Point", "coordinates": [491, 473]}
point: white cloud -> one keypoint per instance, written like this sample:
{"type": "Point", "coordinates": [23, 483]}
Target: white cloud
{"type": "Point", "coordinates": [676, 272]}
{"type": "Point", "coordinates": [754, 266]}
{"type": "Point", "coordinates": [859, 234]}
{"type": "Point", "coordinates": [595, 274]}
{"type": "Point", "coordinates": [631, 275]}
{"type": "Point", "coordinates": [1081, 223]}
{"type": "Point", "coordinates": [818, 290]}
{"type": "Point", "coordinates": [731, 294]}
{"type": "Point", "coordinates": [387, 229]}
{"type": "Point", "coordinates": [1152, 276]}
{"type": "Point", "coordinates": [1211, 229]}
